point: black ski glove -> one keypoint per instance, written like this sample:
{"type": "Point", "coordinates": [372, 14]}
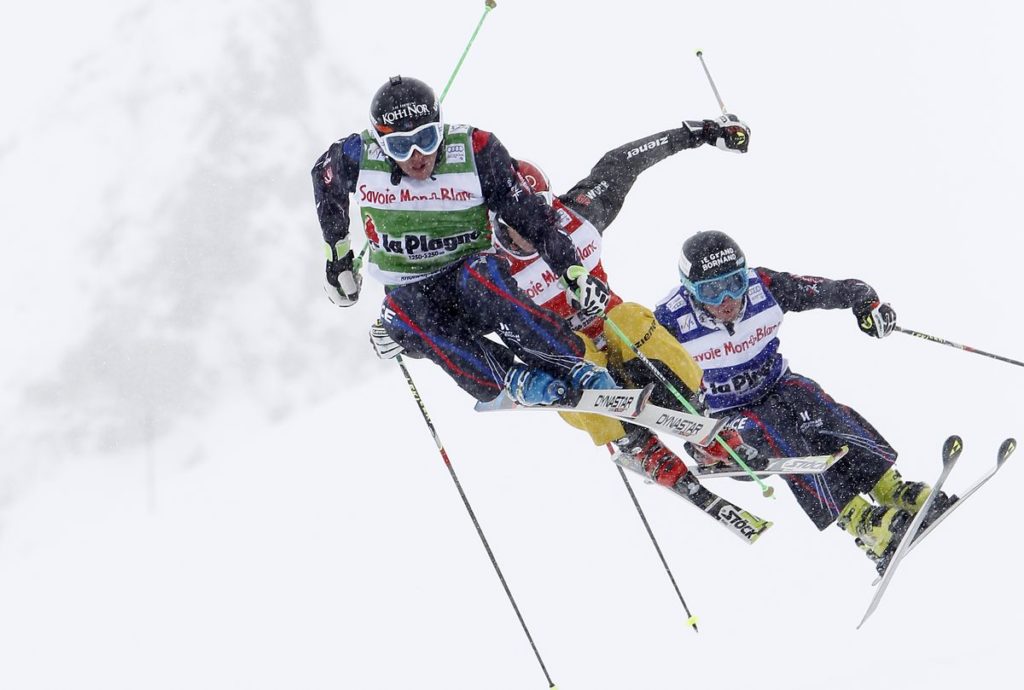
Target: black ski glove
{"type": "Point", "coordinates": [341, 283]}
{"type": "Point", "coordinates": [876, 318]}
{"type": "Point", "coordinates": [587, 294]}
{"type": "Point", "coordinates": [727, 133]}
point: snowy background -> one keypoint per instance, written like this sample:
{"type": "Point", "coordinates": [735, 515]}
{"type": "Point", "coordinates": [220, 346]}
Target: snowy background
{"type": "Point", "coordinates": [208, 481]}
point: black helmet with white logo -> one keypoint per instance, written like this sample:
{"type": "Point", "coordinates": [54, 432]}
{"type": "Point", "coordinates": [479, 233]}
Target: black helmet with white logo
{"type": "Point", "coordinates": [402, 105]}
{"type": "Point", "coordinates": [709, 254]}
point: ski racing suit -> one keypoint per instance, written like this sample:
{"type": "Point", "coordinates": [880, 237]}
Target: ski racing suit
{"type": "Point", "coordinates": [430, 245]}
{"type": "Point", "coordinates": [584, 213]}
{"type": "Point", "coordinates": [780, 413]}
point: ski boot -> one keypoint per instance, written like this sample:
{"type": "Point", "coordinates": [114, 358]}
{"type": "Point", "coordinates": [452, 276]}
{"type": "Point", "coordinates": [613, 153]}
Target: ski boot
{"type": "Point", "coordinates": [588, 375]}
{"type": "Point", "coordinates": [877, 530]}
{"type": "Point", "coordinates": [892, 491]}
{"type": "Point", "coordinates": [643, 452]}
{"type": "Point", "coordinates": [533, 386]}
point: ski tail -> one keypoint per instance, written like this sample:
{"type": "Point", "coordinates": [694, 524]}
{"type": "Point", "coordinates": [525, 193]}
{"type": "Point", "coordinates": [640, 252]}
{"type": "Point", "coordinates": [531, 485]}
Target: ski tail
{"type": "Point", "coordinates": [812, 464]}
{"type": "Point", "coordinates": [740, 522]}
{"type": "Point", "coordinates": [951, 450]}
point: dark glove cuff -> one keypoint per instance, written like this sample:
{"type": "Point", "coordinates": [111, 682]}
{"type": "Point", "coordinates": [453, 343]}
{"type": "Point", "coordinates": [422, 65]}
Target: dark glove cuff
{"type": "Point", "coordinates": [336, 266]}
{"type": "Point", "coordinates": [711, 131]}
{"type": "Point", "coordinates": [866, 307]}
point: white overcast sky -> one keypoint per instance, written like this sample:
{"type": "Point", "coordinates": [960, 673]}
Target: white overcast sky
{"type": "Point", "coordinates": [208, 481]}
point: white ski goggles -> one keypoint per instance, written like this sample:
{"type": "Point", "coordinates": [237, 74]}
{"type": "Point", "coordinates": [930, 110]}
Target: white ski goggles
{"type": "Point", "coordinates": [400, 145]}
{"type": "Point", "coordinates": [713, 291]}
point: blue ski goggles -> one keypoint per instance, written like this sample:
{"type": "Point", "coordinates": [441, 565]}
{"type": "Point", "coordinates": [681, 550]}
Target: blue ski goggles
{"type": "Point", "coordinates": [713, 291]}
{"type": "Point", "coordinates": [399, 145]}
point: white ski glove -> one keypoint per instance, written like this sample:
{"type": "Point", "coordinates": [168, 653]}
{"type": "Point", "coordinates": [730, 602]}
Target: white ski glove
{"type": "Point", "coordinates": [383, 344]}
{"type": "Point", "coordinates": [587, 294]}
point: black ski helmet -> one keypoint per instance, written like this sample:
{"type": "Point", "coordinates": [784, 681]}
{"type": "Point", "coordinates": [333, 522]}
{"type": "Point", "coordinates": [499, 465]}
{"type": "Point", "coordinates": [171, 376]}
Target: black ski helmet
{"type": "Point", "coordinates": [402, 105]}
{"type": "Point", "coordinates": [709, 254]}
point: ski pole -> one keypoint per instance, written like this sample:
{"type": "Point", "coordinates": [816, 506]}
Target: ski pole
{"type": "Point", "coordinates": [700, 56]}
{"type": "Point", "coordinates": [488, 6]}
{"type": "Point", "coordinates": [472, 515]}
{"type": "Point", "coordinates": [965, 348]}
{"type": "Point", "coordinates": [766, 490]}
{"type": "Point", "coordinates": [357, 264]}
{"type": "Point", "coordinates": [691, 619]}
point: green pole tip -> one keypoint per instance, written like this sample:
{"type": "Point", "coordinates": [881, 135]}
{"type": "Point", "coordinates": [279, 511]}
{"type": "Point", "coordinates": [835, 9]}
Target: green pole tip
{"type": "Point", "coordinates": [699, 53]}
{"type": "Point", "coordinates": [768, 491]}
{"type": "Point", "coordinates": [692, 622]}
{"type": "Point", "coordinates": [490, 4]}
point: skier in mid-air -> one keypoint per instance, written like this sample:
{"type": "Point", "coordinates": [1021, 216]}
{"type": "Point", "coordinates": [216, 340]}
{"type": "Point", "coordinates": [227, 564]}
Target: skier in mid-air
{"type": "Point", "coordinates": [425, 191]}
{"type": "Point", "coordinates": [585, 211]}
{"type": "Point", "coordinates": [728, 316]}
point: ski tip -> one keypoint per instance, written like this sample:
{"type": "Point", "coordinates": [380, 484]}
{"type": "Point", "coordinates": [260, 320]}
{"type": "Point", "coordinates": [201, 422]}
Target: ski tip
{"type": "Point", "coordinates": [764, 528]}
{"type": "Point", "coordinates": [952, 448]}
{"type": "Point", "coordinates": [1006, 449]}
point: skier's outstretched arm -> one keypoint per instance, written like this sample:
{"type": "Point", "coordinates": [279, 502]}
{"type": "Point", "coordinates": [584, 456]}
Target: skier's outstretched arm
{"type": "Point", "coordinates": [526, 212]}
{"type": "Point", "coordinates": [599, 196]}
{"type": "Point", "coordinates": [800, 293]}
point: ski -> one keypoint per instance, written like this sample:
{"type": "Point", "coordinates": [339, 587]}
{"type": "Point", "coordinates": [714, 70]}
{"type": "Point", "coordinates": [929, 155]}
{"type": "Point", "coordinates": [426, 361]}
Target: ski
{"type": "Point", "coordinates": [615, 402]}
{"type": "Point", "coordinates": [627, 404]}
{"type": "Point", "coordinates": [690, 427]}
{"type": "Point", "coordinates": [735, 519]}
{"type": "Point", "coordinates": [813, 464]}
{"type": "Point", "coordinates": [951, 450]}
{"type": "Point", "coordinates": [1006, 449]}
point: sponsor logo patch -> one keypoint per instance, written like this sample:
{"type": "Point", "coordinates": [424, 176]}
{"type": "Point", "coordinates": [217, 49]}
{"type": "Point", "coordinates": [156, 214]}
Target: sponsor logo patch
{"type": "Point", "coordinates": [455, 153]}
{"type": "Point", "coordinates": [756, 294]}
{"type": "Point", "coordinates": [719, 258]}
{"type": "Point", "coordinates": [424, 246]}
{"type": "Point", "coordinates": [687, 323]}
{"type": "Point", "coordinates": [647, 146]}
{"type": "Point", "coordinates": [680, 425]}
{"type": "Point", "coordinates": [370, 228]}
{"type": "Point", "coordinates": [615, 403]}
{"type": "Point", "coordinates": [734, 517]}
{"type": "Point", "coordinates": [405, 110]}
{"type": "Point", "coordinates": [596, 191]}
{"type": "Point", "coordinates": [676, 303]}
